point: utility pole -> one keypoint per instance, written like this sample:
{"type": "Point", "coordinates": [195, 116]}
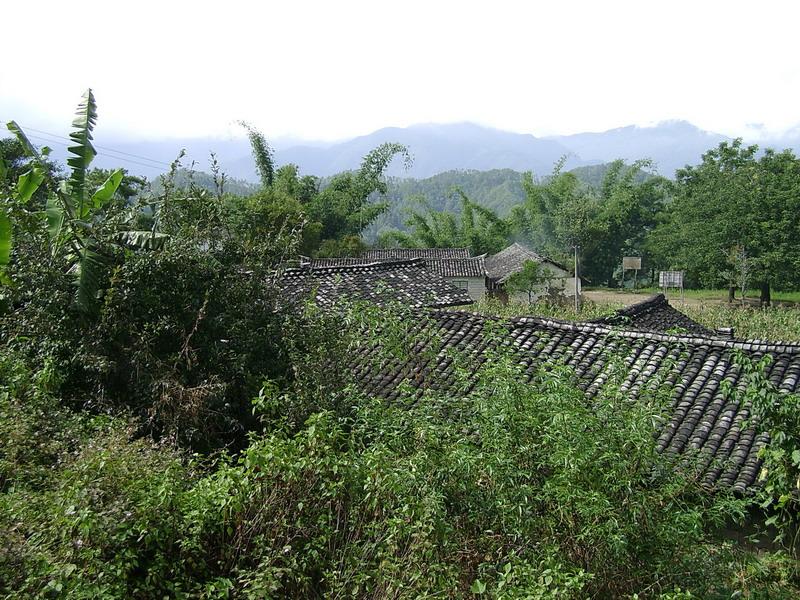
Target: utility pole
{"type": "Point", "coordinates": [577, 281]}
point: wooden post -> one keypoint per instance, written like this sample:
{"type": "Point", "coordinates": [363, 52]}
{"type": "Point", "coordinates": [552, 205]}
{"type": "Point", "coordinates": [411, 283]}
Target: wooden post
{"type": "Point", "coordinates": [577, 300]}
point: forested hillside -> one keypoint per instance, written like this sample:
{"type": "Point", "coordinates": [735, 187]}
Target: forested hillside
{"type": "Point", "coordinates": [499, 190]}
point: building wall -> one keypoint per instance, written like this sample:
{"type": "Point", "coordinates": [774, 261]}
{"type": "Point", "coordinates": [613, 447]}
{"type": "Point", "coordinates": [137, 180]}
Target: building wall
{"type": "Point", "coordinates": [475, 286]}
{"type": "Point", "coordinates": [566, 285]}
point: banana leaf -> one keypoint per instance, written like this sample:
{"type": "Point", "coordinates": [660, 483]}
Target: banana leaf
{"type": "Point", "coordinates": [28, 148]}
{"type": "Point", "coordinates": [82, 152]}
{"type": "Point", "coordinates": [88, 276]}
{"type": "Point", "coordinates": [28, 183]}
{"type": "Point", "coordinates": [6, 239]}
{"type": "Point", "coordinates": [106, 191]}
{"type": "Point", "coordinates": [149, 240]}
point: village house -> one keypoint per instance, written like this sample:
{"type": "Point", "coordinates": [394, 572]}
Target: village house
{"type": "Point", "coordinates": [479, 276]}
{"type": "Point", "coordinates": [702, 421]}
{"type": "Point", "coordinates": [510, 261]}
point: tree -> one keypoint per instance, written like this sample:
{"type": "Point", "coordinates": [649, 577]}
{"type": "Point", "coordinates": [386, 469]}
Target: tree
{"type": "Point", "coordinates": [130, 186]}
{"type": "Point", "coordinates": [530, 280]}
{"type": "Point", "coordinates": [344, 207]}
{"type": "Point", "coordinates": [76, 209]}
{"type": "Point", "coordinates": [476, 227]}
{"type": "Point", "coordinates": [16, 196]}
{"type": "Point", "coordinates": [262, 154]}
{"type": "Point", "coordinates": [606, 222]}
{"type": "Point", "coordinates": [733, 199]}
{"type": "Point", "coordinates": [627, 209]}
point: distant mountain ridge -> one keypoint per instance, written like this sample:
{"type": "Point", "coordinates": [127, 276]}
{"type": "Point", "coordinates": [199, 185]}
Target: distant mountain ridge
{"type": "Point", "coordinates": [671, 145]}
{"type": "Point", "coordinates": [438, 148]}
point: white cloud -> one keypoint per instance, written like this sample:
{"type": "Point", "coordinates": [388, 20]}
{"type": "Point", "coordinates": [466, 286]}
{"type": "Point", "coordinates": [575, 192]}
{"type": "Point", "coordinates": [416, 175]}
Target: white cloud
{"type": "Point", "coordinates": [326, 70]}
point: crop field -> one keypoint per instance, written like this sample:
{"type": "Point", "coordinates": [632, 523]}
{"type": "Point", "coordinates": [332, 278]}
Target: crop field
{"type": "Point", "coordinates": [777, 323]}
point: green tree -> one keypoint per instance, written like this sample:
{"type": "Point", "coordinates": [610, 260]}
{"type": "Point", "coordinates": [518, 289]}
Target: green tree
{"type": "Point", "coordinates": [734, 199]}
{"type": "Point", "coordinates": [262, 154]}
{"type": "Point", "coordinates": [130, 186]}
{"type": "Point", "coordinates": [475, 227]}
{"type": "Point", "coordinates": [627, 211]}
{"type": "Point", "coordinates": [345, 206]}
{"type": "Point", "coordinates": [530, 280]}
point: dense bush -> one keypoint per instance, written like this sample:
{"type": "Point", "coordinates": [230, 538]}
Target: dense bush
{"type": "Point", "coordinates": [514, 491]}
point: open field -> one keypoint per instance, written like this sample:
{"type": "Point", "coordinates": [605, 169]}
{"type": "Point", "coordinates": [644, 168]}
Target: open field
{"type": "Point", "coordinates": [691, 297]}
{"type": "Point", "coordinates": [777, 323]}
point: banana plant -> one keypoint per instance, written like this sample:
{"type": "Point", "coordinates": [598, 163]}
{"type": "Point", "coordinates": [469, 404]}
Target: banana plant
{"type": "Point", "coordinates": [16, 196]}
{"type": "Point", "coordinates": [75, 214]}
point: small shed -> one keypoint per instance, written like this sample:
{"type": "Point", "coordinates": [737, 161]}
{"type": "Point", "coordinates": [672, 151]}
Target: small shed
{"type": "Point", "coordinates": [501, 266]}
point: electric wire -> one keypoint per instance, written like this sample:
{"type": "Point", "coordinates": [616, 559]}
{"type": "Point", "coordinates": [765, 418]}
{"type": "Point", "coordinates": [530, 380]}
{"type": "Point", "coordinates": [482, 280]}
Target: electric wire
{"type": "Point", "coordinates": [56, 139]}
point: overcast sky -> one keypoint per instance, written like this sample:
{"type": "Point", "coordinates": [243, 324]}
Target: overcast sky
{"type": "Point", "coordinates": [335, 69]}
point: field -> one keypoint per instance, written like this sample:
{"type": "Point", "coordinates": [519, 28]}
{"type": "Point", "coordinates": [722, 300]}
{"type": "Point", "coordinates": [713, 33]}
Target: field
{"type": "Point", "coordinates": [695, 297]}
{"type": "Point", "coordinates": [777, 323]}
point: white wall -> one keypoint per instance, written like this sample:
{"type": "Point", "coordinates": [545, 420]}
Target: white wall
{"type": "Point", "coordinates": [476, 286]}
{"type": "Point", "coordinates": [565, 284]}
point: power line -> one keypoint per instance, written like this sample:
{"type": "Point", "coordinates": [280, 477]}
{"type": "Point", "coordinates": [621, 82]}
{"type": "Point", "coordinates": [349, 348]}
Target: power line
{"type": "Point", "coordinates": [160, 162]}
{"type": "Point", "coordinates": [96, 146]}
{"type": "Point", "coordinates": [124, 160]}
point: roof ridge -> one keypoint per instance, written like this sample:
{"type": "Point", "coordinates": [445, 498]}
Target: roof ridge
{"type": "Point", "coordinates": [643, 305]}
{"type": "Point", "coordinates": [779, 347]}
{"type": "Point", "coordinates": [383, 265]}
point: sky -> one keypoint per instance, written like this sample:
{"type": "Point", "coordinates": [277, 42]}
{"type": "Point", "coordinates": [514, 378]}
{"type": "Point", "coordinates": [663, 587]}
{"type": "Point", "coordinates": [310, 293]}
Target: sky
{"type": "Point", "coordinates": [333, 70]}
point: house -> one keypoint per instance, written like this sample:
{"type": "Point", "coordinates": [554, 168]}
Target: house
{"type": "Point", "coordinates": [701, 419]}
{"type": "Point", "coordinates": [455, 265]}
{"type": "Point", "coordinates": [407, 282]}
{"type": "Point", "coordinates": [506, 263]}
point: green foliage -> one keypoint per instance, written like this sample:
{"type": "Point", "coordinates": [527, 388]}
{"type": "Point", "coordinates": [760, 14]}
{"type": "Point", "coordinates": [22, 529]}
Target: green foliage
{"type": "Point", "coordinates": [344, 206]}
{"type": "Point", "coordinates": [186, 178]}
{"type": "Point", "coordinates": [74, 210]}
{"type": "Point", "coordinates": [777, 413]}
{"type": "Point", "coordinates": [517, 490]}
{"type": "Point", "coordinates": [773, 323]}
{"type": "Point", "coordinates": [262, 154]}
{"type": "Point", "coordinates": [477, 228]}
{"type": "Point", "coordinates": [17, 188]}
{"type": "Point", "coordinates": [302, 486]}
{"type": "Point", "coordinates": [734, 199]}
{"type": "Point", "coordinates": [606, 223]}
{"type": "Point", "coordinates": [532, 279]}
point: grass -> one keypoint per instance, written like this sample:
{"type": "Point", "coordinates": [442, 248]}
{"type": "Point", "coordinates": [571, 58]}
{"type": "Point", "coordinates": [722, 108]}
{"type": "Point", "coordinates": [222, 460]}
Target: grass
{"type": "Point", "coordinates": [774, 323]}
{"type": "Point", "coordinates": [708, 294]}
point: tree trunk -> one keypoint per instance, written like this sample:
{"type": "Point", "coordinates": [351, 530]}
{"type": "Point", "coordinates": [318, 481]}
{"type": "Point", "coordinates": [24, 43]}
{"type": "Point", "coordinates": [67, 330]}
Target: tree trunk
{"type": "Point", "coordinates": [731, 293]}
{"type": "Point", "coordinates": [766, 297]}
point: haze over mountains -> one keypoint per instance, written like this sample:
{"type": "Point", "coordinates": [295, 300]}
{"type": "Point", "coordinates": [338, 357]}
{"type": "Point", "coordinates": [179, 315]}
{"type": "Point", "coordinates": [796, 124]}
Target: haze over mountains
{"type": "Point", "coordinates": [438, 148]}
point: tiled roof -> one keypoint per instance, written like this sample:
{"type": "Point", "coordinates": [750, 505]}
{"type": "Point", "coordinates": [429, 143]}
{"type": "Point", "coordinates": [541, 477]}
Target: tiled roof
{"type": "Point", "coordinates": [337, 262]}
{"type": "Point", "coordinates": [446, 267]}
{"type": "Point", "coordinates": [458, 267]}
{"type": "Point", "coordinates": [655, 314]}
{"type": "Point", "coordinates": [700, 418]}
{"type": "Point", "coordinates": [508, 261]}
{"type": "Point", "coordinates": [406, 282]}
{"type": "Point", "coordinates": [407, 253]}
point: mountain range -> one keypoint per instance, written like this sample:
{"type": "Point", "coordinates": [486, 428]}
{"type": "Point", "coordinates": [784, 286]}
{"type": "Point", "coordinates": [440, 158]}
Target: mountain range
{"type": "Point", "coordinates": [437, 148]}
